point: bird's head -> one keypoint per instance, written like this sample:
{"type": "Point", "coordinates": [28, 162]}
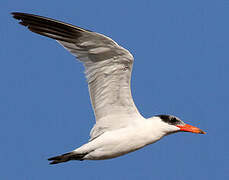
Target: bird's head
{"type": "Point", "coordinates": [176, 125]}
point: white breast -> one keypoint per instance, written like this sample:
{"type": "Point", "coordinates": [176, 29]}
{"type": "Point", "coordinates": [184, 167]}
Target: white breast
{"type": "Point", "coordinates": [121, 141]}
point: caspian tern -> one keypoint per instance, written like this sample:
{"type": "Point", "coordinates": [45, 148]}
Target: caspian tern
{"type": "Point", "coordinates": [119, 127]}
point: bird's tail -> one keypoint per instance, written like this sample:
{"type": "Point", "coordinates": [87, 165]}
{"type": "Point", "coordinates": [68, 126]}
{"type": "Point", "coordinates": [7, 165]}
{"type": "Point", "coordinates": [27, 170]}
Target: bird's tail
{"type": "Point", "coordinates": [66, 157]}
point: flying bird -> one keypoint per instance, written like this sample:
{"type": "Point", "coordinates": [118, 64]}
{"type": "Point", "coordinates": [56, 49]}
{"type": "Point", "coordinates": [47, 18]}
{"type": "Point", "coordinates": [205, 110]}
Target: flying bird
{"type": "Point", "coordinates": [119, 127]}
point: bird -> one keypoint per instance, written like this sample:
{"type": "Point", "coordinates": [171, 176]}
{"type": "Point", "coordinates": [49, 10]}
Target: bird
{"type": "Point", "coordinates": [119, 128]}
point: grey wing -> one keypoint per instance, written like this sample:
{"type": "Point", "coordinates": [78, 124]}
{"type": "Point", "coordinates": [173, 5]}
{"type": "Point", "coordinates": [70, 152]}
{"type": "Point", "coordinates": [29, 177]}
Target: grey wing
{"type": "Point", "coordinates": [107, 65]}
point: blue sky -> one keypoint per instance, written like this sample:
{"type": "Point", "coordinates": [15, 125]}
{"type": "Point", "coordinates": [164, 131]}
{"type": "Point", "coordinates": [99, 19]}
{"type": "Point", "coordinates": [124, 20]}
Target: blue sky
{"type": "Point", "coordinates": [181, 68]}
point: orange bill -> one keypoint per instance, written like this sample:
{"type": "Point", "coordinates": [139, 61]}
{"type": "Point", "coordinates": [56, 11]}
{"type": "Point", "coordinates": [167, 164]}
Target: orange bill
{"type": "Point", "coordinates": [189, 128]}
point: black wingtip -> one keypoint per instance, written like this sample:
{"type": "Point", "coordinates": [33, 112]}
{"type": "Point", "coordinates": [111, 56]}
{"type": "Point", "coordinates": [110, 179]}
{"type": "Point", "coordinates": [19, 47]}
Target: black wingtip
{"type": "Point", "coordinates": [47, 21]}
{"type": "Point", "coordinates": [17, 15]}
{"type": "Point", "coordinates": [14, 14]}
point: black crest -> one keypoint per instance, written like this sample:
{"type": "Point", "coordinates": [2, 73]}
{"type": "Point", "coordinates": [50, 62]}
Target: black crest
{"type": "Point", "coordinates": [170, 119]}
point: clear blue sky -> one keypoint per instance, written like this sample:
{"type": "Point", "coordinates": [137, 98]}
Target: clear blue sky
{"type": "Point", "coordinates": [181, 51]}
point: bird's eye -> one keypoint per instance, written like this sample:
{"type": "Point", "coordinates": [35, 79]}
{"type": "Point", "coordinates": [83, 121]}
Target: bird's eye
{"type": "Point", "coordinates": [174, 120]}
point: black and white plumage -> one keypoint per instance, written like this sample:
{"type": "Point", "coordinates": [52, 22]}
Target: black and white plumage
{"type": "Point", "coordinates": [119, 127]}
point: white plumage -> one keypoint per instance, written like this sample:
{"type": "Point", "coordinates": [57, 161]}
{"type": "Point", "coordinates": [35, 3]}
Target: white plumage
{"type": "Point", "coordinates": [108, 69]}
{"type": "Point", "coordinates": [119, 127]}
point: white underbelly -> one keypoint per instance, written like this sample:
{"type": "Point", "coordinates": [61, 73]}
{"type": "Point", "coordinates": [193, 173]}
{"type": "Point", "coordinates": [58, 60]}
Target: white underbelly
{"type": "Point", "coordinates": [116, 143]}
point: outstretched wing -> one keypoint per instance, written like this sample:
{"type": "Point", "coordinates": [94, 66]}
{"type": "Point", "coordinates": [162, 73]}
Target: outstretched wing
{"type": "Point", "coordinates": [107, 65]}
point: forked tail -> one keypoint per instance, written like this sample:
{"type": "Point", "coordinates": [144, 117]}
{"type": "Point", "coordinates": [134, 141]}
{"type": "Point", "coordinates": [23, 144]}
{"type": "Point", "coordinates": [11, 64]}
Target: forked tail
{"type": "Point", "coordinates": [66, 157]}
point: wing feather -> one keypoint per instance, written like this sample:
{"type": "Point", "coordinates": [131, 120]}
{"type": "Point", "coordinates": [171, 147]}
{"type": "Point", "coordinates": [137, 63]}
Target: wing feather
{"type": "Point", "coordinates": [107, 65]}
